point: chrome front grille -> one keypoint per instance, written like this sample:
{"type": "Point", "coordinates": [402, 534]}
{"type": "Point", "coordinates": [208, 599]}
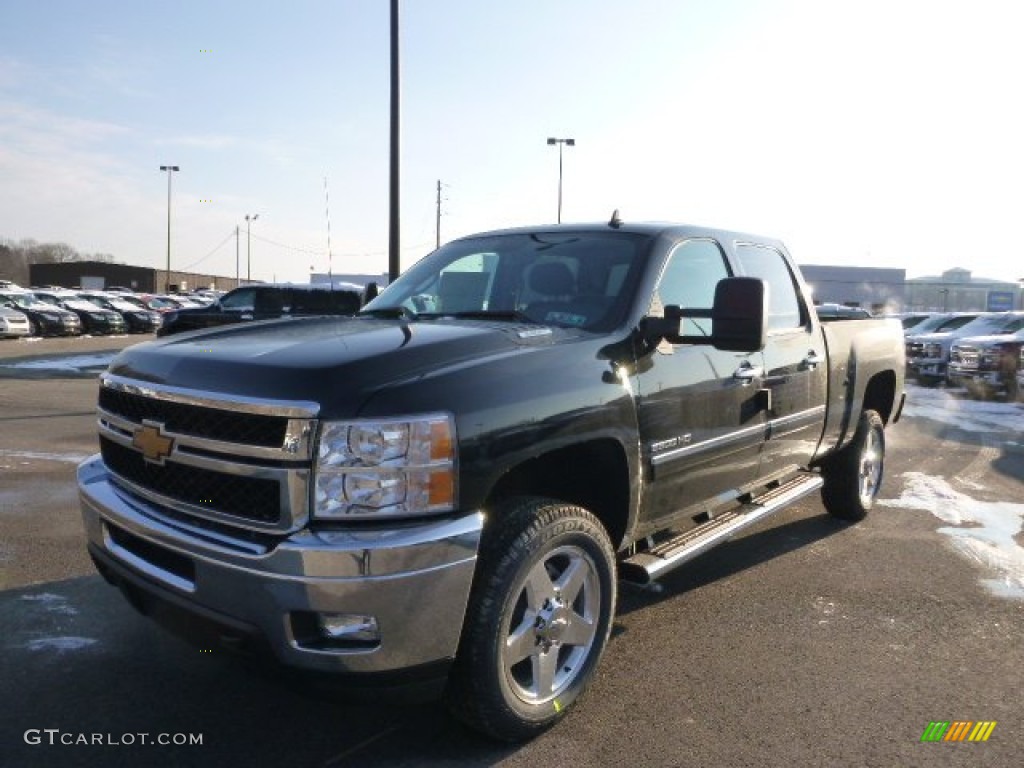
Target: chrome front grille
{"type": "Point", "coordinates": [236, 461]}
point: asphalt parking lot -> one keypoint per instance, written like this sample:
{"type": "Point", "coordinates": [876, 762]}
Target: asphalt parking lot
{"type": "Point", "coordinates": [803, 643]}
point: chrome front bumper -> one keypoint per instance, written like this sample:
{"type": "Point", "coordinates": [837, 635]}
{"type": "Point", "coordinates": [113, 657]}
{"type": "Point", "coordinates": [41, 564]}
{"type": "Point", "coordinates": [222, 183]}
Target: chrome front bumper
{"type": "Point", "coordinates": [414, 579]}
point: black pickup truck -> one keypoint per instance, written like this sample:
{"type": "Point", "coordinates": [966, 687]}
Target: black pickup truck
{"type": "Point", "coordinates": [447, 488]}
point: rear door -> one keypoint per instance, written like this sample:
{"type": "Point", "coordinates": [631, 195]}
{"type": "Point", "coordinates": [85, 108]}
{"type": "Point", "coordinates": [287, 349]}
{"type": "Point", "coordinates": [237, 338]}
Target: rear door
{"type": "Point", "coordinates": [701, 425]}
{"type": "Point", "coordinates": [795, 363]}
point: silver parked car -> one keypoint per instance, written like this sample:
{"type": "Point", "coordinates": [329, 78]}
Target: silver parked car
{"type": "Point", "coordinates": [13, 323]}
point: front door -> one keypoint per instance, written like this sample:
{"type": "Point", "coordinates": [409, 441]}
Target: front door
{"type": "Point", "coordinates": [700, 418]}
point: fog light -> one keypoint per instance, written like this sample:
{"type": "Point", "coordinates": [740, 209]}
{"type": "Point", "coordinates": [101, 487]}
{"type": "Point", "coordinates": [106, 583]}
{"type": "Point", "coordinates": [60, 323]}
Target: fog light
{"type": "Point", "coordinates": [349, 627]}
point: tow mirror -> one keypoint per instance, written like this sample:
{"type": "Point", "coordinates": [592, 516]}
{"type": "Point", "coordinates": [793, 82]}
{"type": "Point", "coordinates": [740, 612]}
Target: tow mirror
{"type": "Point", "coordinates": [738, 318]}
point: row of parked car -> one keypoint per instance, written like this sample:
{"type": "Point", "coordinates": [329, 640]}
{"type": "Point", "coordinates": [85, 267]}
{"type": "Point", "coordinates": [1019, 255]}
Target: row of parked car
{"type": "Point", "coordinates": [980, 351]}
{"type": "Point", "coordinates": [55, 311]}
{"type": "Point", "coordinates": [63, 312]}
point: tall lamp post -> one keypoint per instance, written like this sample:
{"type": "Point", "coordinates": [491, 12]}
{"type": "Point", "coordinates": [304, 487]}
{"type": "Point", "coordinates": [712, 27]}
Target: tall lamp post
{"type": "Point", "coordinates": [560, 143]}
{"type": "Point", "coordinates": [170, 169]}
{"type": "Point", "coordinates": [248, 245]}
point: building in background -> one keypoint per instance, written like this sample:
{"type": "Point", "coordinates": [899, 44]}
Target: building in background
{"type": "Point", "coordinates": [955, 290]}
{"type": "Point", "coordinates": [318, 278]}
{"type": "Point", "coordinates": [98, 275]}
{"type": "Point", "coordinates": [878, 290]}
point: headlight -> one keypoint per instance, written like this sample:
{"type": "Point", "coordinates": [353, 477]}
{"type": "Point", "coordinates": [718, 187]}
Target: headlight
{"type": "Point", "coordinates": [393, 467]}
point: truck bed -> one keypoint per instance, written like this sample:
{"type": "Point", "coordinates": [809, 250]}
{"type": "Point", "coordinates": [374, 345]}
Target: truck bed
{"type": "Point", "coordinates": [866, 363]}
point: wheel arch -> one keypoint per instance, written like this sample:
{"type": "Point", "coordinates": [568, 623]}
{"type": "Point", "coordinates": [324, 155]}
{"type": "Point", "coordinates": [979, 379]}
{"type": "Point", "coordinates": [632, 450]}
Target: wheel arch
{"type": "Point", "coordinates": [880, 395]}
{"type": "Point", "coordinates": [594, 475]}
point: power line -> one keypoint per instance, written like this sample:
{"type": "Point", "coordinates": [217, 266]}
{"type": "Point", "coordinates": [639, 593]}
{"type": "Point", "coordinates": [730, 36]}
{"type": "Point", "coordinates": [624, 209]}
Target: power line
{"type": "Point", "coordinates": [290, 247]}
{"type": "Point", "coordinates": [219, 246]}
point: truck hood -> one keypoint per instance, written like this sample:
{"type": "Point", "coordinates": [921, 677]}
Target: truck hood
{"type": "Point", "coordinates": [336, 361]}
{"type": "Point", "coordinates": [924, 338]}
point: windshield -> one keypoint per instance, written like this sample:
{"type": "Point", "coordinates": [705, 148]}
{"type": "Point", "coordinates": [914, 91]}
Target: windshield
{"type": "Point", "coordinates": [946, 324]}
{"type": "Point", "coordinates": [570, 279]}
{"type": "Point", "coordinates": [123, 306]}
{"type": "Point", "coordinates": [27, 301]}
{"type": "Point", "coordinates": [990, 324]}
{"type": "Point", "coordinates": [82, 305]}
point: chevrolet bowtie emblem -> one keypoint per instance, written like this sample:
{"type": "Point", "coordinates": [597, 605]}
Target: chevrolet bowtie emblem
{"type": "Point", "coordinates": [154, 444]}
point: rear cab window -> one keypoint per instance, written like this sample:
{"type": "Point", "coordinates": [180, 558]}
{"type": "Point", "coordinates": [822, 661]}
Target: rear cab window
{"type": "Point", "coordinates": [786, 310]}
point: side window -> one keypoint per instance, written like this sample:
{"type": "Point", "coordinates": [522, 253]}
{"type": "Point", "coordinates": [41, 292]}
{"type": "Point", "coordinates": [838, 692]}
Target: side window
{"type": "Point", "coordinates": [272, 301]}
{"type": "Point", "coordinates": [770, 265]}
{"type": "Point", "coordinates": [689, 279]}
{"type": "Point", "coordinates": [241, 299]}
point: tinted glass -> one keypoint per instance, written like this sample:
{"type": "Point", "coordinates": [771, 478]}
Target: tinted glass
{"type": "Point", "coordinates": [572, 279]}
{"type": "Point", "coordinates": [688, 280]}
{"type": "Point", "coordinates": [770, 265]}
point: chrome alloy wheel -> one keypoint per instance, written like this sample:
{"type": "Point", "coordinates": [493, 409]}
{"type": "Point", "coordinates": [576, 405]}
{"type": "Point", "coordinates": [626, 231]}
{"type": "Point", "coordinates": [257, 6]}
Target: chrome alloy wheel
{"type": "Point", "coordinates": [870, 467]}
{"type": "Point", "coordinates": [550, 632]}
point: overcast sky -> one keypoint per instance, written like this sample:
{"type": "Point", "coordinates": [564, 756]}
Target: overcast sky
{"type": "Point", "coordinates": [879, 133]}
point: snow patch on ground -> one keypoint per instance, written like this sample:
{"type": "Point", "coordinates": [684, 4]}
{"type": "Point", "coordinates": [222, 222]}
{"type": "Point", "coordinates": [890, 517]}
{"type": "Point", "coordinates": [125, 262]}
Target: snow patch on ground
{"type": "Point", "coordinates": [60, 644]}
{"type": "Point", "coordinates": [71, 458]}
{"type": "Point", "coordinates": [984, 531]}
{"type": "Point", "coordinates": [68, 363]}
{"type": "Point", "coordinates": [51, 603]}
{"type": "Point", "coordinates": [951, 407]}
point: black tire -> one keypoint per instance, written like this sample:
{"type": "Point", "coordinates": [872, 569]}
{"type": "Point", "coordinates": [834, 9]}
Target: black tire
{"type": "Point", "coordinates": [33, 328]}
{"type": "Point", "coordinates": [854, 475]}
{"type": "Point", "coordinates": [539, 616]}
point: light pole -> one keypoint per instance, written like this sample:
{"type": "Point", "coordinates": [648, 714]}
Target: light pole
{"type": "Point", "coordinates": [560, 143]}
{"type": "Point", "coordinates": [248, 245]}
{"type": "Point", "coordinates": [170, 169]}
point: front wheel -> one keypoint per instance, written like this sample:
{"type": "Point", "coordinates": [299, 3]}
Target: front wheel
{"type": "Point", "coordinates": [854, 475]}
{"type": "Point", "coordinates": [538, 619]}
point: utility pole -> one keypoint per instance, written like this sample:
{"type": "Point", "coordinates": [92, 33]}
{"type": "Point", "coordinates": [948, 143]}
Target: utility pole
{"type": "Point", "coordinates": [394, 234]}
{"type": "Point", "coordinates": [560, 143]}
{"type": "Point", "coordinates": [238, 275]}
{"type": "Point", "coordinates": [438, 225]}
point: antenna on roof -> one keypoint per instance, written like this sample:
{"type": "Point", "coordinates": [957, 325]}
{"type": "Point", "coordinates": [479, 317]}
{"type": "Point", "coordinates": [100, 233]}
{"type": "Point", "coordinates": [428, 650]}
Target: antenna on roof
{"type": "Point", "coordinates": [615, 222]}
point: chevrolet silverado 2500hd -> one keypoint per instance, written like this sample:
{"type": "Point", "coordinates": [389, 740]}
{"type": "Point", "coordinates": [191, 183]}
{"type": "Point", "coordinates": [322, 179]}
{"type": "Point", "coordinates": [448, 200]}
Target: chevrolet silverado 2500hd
{"type": "Point", "coordinates": [449, 486]}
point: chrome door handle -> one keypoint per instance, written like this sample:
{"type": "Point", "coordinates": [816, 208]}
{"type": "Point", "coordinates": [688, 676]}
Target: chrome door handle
{"type": "Point", "coordinates": [812, 360]}
{"type": "Point", "coordinates": [747, 373]}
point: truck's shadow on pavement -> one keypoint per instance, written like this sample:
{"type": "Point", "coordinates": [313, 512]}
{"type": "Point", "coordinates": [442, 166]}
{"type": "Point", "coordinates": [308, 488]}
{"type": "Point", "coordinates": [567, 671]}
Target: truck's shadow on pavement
{"type": "Point", "coordinates": [78, 659]}
{"type": "Point", "coordinates": [732, 558]}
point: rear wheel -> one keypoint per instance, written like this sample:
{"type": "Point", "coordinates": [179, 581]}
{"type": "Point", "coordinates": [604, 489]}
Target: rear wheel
{"type": "Point", "coordinates": [538, 619]}
{"type": "Point", "coordinates": [854, 475]}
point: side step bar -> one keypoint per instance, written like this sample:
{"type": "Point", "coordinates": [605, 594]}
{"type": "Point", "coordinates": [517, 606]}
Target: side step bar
{"type": "Point", "coordinates": [645, 567]}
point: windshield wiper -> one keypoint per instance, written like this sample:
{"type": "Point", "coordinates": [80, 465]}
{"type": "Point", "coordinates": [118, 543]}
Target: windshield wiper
{"type": "Point", "coordinates": [491, 314]}
{"type": "Point", "coordinates": [396, 312]}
